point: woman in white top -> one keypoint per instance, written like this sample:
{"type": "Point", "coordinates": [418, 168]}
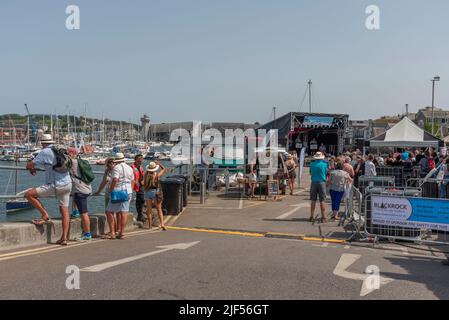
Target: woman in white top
{"type": "Point", "coordinates": [105, 182]}
{"type": "Point", "coordinates": [122, 180]}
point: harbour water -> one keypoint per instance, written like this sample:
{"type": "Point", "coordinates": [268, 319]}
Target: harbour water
{"type": "Point", "coordinates": [26, 180]}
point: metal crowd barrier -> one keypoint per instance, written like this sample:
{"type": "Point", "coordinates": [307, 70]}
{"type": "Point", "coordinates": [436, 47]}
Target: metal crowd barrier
{"type": "Point", "coordinates": [353, 219]}
{"type": "Point", "coordinates": [400, 173]}
{"type": "Point", "coordinates": [367, 182]}
{"type": "Point", "coordinates": [428, 200]}
{"type": "Point", "coordinates": [421, 233]}
{"type": "Point", "coordinates": [431, 187]}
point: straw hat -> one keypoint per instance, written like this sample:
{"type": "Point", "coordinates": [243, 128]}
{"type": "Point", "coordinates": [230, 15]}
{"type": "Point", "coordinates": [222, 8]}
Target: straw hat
{"type": "Point", "coordinates": [119, 157]}
{"type": "Point", "coordinates": [318, 156]}
{"type": "Point", "coordinates": [47, 139]}
{"type": "Point", "coordinates": [152, 167]}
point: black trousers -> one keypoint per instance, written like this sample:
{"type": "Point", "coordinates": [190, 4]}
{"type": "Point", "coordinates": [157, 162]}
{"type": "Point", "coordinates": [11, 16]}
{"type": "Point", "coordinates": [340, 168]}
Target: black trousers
{"type": "Point", "coordinates": [140, 201]}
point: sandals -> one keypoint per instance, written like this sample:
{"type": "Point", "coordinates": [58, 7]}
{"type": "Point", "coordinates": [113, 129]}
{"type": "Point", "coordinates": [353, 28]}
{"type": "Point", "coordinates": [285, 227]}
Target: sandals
{"type": "Point", "coordinates": [121, 237]}
{"type": "Point", "coordinates": [164, 228]}
{"type": "Point", "coordinates": [62, 242]}
{"type": "Point", "coordinates": [108, 237]}
{"type": "Point", "coordinates": [41, 222]}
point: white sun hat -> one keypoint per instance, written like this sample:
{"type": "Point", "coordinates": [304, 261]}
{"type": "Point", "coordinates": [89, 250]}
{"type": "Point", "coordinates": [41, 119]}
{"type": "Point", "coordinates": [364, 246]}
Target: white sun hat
{"type": "Point", "coordinates": [47, 139]}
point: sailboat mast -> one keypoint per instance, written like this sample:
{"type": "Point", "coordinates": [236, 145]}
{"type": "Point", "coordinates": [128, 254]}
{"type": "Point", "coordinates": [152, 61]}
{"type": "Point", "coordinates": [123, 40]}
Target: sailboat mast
{"type": "Point", "coordinates": [16, 159]}
{"type": "Point", "coordinates": [28, 132]}
{"type": "Point", "coordinates": [51, 124]}
{"type": "Point", "coordinates": [74, 132]}
{"type": "Point", "coordinates": [310, 96]}
{"type": "Point", "coordinates": [57, 127]}
{"type": "Point", "coordinates": [68, 123]}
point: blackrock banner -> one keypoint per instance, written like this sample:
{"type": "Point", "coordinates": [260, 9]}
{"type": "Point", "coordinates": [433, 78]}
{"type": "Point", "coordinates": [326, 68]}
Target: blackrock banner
{"type": "Point", "coordinates": [410, 212]}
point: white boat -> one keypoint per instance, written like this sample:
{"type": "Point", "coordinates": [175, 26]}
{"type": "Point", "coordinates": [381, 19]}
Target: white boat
{"type": "Point", "coordinates": [164, 155]}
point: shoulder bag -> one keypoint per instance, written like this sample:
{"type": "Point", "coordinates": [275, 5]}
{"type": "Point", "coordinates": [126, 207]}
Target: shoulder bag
{"type": "Point", "coordinates": [119, 196]}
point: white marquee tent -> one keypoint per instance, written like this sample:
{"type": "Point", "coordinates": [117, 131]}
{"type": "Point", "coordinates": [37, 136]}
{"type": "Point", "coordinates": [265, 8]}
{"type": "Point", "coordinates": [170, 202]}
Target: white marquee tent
{"type": "Point", "coordinates": [406, 134]}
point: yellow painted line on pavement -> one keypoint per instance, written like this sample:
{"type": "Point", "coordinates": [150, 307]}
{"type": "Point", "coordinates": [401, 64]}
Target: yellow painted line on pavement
{"type": "Point", "coordinates": [259, 234]}
{"type": "Point", "coordinates": [279, 234]}
{"type": "Point", "coordinates": [238, 233]}
{"type": "Point", "coordinates": [31, 252]}
{"type": "Point", "coordinates": [27, 251]}
{"type": "Point", "coordinates": [54, 247]}
{"type": "Point", "coordinates": [214, 208]}
{"type": "Point", "coordinates": [324, 240]}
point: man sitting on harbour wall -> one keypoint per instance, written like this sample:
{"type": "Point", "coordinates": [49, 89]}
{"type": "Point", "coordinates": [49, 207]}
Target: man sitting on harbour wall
{"type": "Point", "coordinates": [57, 183]}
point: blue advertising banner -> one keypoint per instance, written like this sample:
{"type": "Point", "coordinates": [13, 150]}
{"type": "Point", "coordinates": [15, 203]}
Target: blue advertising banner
{"type": "Point", "coordinates": [410, 212]}
{"type": "Point", "coordinates": [321, 121]}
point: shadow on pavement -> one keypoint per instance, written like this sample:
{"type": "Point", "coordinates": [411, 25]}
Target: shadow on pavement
{"type": "Point", "coordinates": [427, 271]}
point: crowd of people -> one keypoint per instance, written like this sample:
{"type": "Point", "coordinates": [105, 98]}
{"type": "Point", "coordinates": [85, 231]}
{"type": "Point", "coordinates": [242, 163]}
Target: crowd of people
{"type": "Point", "coordinates": [286, 172]}
{"type": "Point", "coordinates": [336, 174]}
{"type": "Point", "coordinates": [332, 175]}
{"type": "Point", "coordinates": [119, 180]}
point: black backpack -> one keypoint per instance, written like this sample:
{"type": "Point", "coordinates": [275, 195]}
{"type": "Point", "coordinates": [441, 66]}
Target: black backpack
{"type": "Point", "coordinates": [63, 160]}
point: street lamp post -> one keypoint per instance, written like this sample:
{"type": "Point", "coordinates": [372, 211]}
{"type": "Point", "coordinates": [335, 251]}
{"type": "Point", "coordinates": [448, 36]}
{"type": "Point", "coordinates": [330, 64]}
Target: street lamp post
{"type": "Point", "coordinates": [436, 78]}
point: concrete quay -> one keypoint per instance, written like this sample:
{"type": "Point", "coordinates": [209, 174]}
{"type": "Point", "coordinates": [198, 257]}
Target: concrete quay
{"type": "Point", "coordinates": [15, 235]}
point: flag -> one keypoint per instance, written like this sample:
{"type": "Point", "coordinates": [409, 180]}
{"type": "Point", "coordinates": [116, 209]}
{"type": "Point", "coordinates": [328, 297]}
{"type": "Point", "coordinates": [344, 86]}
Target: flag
{"type": "Point", "coordinates": [301, 162]}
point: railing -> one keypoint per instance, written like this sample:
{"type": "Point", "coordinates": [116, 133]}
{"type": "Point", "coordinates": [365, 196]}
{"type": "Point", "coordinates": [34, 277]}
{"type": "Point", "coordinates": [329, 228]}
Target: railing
{"type": "Point", "coordinates": [431, 233]}
{"type": "Point", "coordinates": [353, 219]}
{"type": "Point", "coordinates": [37, 169]}
{"type": "Point", "coordinates": [21, 194]}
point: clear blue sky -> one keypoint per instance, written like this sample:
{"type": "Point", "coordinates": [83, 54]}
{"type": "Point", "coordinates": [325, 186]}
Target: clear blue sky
{"type": "Point", "coordinates": [223, 60]}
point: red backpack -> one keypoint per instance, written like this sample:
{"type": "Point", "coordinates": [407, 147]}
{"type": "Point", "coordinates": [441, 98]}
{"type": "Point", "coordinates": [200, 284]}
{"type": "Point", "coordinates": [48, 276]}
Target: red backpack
{"type": "Point", "coordinates": [431, 164]}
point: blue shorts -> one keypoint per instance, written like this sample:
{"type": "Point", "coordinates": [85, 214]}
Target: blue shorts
{"type": "Point", "coordinates": [153, 194]}
{"type": "Point", "coordinates": [80, 200]}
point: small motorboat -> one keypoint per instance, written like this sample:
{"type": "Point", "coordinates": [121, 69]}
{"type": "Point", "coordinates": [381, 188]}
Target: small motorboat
{"type": "Point", "coordinates": [17, 205]}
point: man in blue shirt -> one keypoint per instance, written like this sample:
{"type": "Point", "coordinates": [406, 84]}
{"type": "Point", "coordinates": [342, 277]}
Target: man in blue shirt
{"type": "Point", "coordinates": [318, 173]}
{"type": "Point", "coordinates": [58, 184]}
{"type": "Point", "coordinates": [405, 155]}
